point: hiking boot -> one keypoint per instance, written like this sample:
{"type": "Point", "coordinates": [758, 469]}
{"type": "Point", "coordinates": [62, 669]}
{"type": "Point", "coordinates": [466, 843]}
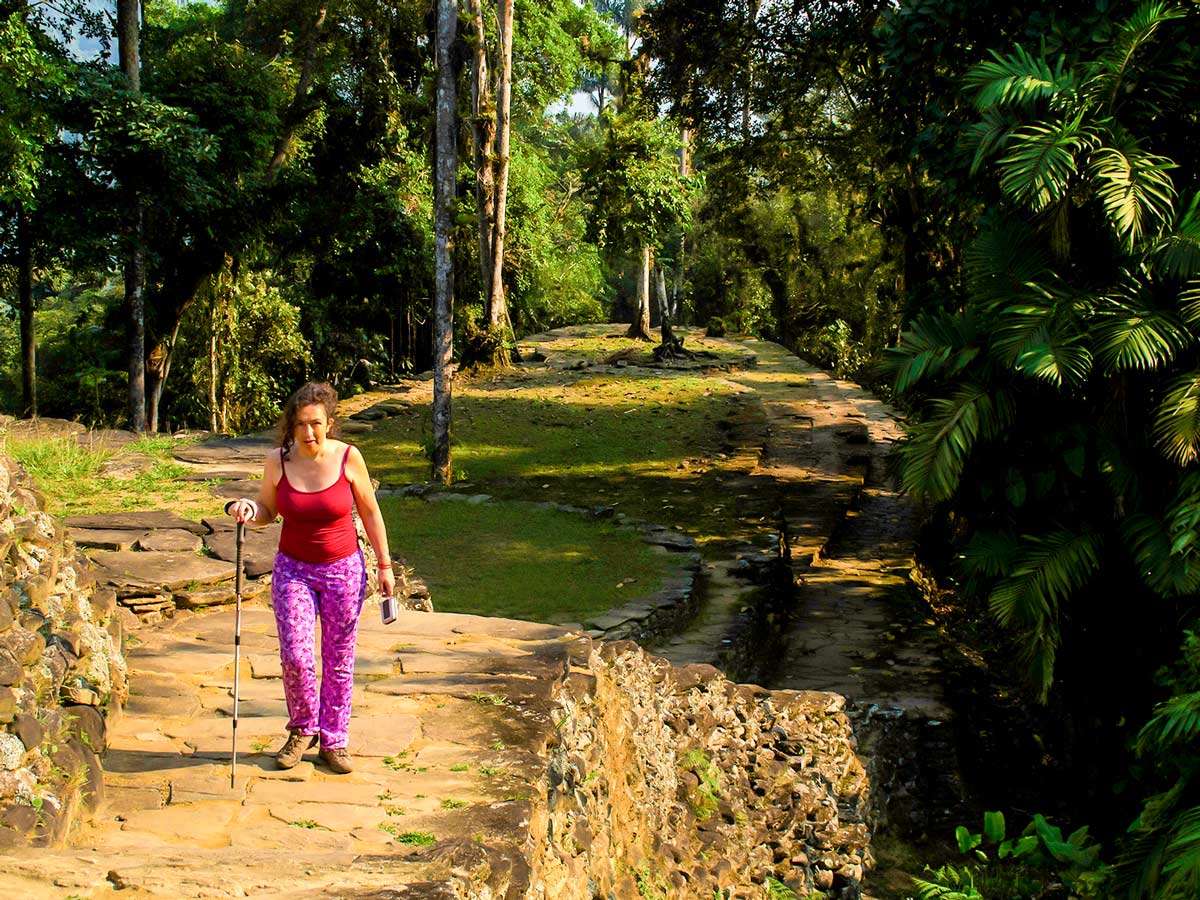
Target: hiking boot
{"type": "Point", "coordinates": [339, 760]}
{"type": "Point", "coordinates": [290, 753]}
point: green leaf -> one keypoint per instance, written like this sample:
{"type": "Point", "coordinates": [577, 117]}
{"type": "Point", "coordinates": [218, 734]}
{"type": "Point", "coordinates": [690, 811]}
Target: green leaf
{"type": "Point", "coordinates": [1015, 488]}
{"type": "Point", "coordinates": [966, 840]}
{"type": "Point", "coordinates": [993, 825]}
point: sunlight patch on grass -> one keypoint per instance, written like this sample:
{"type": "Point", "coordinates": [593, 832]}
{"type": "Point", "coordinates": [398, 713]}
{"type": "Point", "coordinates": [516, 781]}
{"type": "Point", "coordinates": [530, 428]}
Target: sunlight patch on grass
{"type": "Point", "coordinates": [526, 428]}
{"type": "Point", "coordinates": [516, 561]}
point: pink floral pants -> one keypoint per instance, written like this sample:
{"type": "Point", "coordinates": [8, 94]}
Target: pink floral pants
{"type": "Point", "coordinates": [301, 593]}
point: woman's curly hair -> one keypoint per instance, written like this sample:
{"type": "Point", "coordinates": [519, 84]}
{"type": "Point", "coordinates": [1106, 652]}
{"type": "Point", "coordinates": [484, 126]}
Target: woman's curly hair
{"type": "Point", "coordinates": [313, 393]}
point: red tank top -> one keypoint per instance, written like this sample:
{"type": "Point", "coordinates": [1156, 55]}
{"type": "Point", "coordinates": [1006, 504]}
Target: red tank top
{"type": "Point", "coordinates": [317, 525]}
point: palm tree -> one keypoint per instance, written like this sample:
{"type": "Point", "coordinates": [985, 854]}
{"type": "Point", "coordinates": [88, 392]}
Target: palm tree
{"type": "Point", "coordinates": [1061, 405]}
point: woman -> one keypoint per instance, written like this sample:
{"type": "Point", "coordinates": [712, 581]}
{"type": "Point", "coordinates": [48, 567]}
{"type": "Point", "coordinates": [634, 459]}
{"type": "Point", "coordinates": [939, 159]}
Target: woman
{"type": "Point", "coordinates": [313, 480]}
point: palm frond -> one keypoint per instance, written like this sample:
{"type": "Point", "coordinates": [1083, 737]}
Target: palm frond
{"type": "Point", "coordinates": [1189, 303]}
{"type": "Point", "coordinates": [1018, 80]}
{"type": "Point", "coordinates": [1134, 188]}
{"type": "Point", "coordinates": [1177, 420]}
{"type": "Point", "coordinates": [1048, 569]}
{"type": "Point", "coordinates": [1177, 252]}
{"type": "Point", "coordinates": [1165, 572]}
{"type": "Point", "coordinates": [933, 456]}
{"type": "Point", "coordinates": [1062, 363]}
{"type": "Point", "coordinates": [1131, 336]}
{"type": "Point", "coordinates": [1036, 171]}
{"type": "Point", "coordinates": [989, 135]}
{"type": "Point", "coordinates": [1116, 62]}
{"type": "Point", "coordinates": [1181, 859]}
{"type": "Point", "coordinates": [1175, 721]}
{"type": "Point", "coordinates": [935, 344]}
{"type": "Point", "coordinates": [1003, 262]}
{"type": "Point", "coordinates": [989, 553]}
{"type": "Point", "coordinates": [1040, 339]}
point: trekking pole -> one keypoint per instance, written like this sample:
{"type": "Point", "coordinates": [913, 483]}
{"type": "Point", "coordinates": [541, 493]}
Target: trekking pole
{"type": "Point", "coordinates": [237, 640]}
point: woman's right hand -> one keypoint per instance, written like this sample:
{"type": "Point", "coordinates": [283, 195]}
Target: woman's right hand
{"type": "Point", "coordinates": [242, 509]}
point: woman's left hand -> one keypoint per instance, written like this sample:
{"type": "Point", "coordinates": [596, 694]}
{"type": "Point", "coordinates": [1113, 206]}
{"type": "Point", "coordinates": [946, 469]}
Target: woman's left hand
{"type": "Point", "coordinates": [387, 583]}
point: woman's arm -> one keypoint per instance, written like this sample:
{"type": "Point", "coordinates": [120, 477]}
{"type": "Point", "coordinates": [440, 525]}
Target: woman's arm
{"type": "Point", "coordinates": [372, 518]}
{"type": "Point", "coordinates": [262, 511]}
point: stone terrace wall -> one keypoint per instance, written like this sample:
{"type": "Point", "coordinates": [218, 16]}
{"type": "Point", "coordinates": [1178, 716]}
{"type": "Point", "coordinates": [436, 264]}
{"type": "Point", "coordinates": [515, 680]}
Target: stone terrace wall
{"type": "Point", "coordinates": [61, 670]}
{"type": "Point", "coordinates": [678, 783]}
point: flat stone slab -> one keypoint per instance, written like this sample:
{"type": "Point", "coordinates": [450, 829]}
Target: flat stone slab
{"type": "Point", "coordinates": [126, 466]}
{"type": "Point", "coordinates": [106, 438]}
{"type": "Point", "coordinates": [233, 452]}
{"type": "Point", "coordinates": [216, 473]}
{"type": "Point", "coordinates": [135, 521]}
{"type": "Point", "coordinates": [168, 571]}
{"type": "Point", "coordinates": [258, 551]}
{"type": "Point", "coordinates": [108, 538]}
{"type": "Point", "coordinates": [243, 487]}
{"type": "Point", "coordinates": [168, 540]}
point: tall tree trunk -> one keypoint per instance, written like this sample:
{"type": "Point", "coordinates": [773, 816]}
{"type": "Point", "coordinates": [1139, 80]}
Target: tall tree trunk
{"type": "Point", "coordinates": [135, 249]}
{"type": "Point", "coordinates": [752, 7]}
{"type": "Point", "coordinates": [298, 110]}
{"type": "Point", "coordinates": [497, 303]}
{"type": "Point", "coordinates": [664, 308]}
{"type": "Point", "coordinates": [640, 328]}
{"type": "Point", "coordinates": [212, 367]}
{"type": "Point", "coordinates": [25, 303]}
{"type": "Point", "coordinates": [685, 169]}
{"type": "Point", "coordinates": [445, 152]}
{"type": "Point", "coordinates": [483, 133]}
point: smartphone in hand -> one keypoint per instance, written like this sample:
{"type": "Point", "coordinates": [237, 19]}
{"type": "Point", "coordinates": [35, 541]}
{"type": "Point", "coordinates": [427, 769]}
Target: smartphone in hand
{"type": "Point", "coordinates": [387, 609]}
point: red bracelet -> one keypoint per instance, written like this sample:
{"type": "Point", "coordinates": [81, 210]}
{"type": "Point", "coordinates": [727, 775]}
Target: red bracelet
{"type": "Point", "coordinates": [386, 565]}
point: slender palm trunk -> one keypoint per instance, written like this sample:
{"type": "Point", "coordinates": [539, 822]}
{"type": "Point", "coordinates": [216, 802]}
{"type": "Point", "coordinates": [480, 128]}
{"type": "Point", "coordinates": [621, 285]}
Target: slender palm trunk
{"type": "Point", "coordinates": [25, 303]}
{"type": "Point", "coordinates": [135, 244]}
{"type": "Point", "coordinates": [497, 303]}
{"type": "Point", "coordinates": [664, 307]}
{"type": "Point", "coordinates": [445, 152]}
{"type": "Point", "coordinates": [483, 133]}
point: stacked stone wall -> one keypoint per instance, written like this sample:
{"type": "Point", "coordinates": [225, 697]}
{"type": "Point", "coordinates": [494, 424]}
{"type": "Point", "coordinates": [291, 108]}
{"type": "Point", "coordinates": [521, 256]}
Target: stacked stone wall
{"type": "Point", "coordinates": [678, 783]}
{"type": "Point", "coordinates": [62, 671]}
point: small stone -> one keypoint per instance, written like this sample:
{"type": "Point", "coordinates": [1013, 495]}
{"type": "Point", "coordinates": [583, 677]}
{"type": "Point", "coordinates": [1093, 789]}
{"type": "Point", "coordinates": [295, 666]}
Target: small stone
{"type": "Point", "coordinates": [28, 729]}
{"type": "Point", "coordinates": [10, 670]}
{"type": "Point", "coordinates": [12, 751]}
{"type": "Point", "coordinates": [8, 705]}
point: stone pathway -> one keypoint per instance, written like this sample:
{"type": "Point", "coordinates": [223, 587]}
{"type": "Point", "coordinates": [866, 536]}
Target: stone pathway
{"type": "Point", "coordinates": [451, 719]}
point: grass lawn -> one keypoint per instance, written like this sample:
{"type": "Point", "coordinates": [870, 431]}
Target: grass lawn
{"type": "Point", "coordinates": [516, 561]}
{"type": "Point", "coordinates": [70, 477]}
